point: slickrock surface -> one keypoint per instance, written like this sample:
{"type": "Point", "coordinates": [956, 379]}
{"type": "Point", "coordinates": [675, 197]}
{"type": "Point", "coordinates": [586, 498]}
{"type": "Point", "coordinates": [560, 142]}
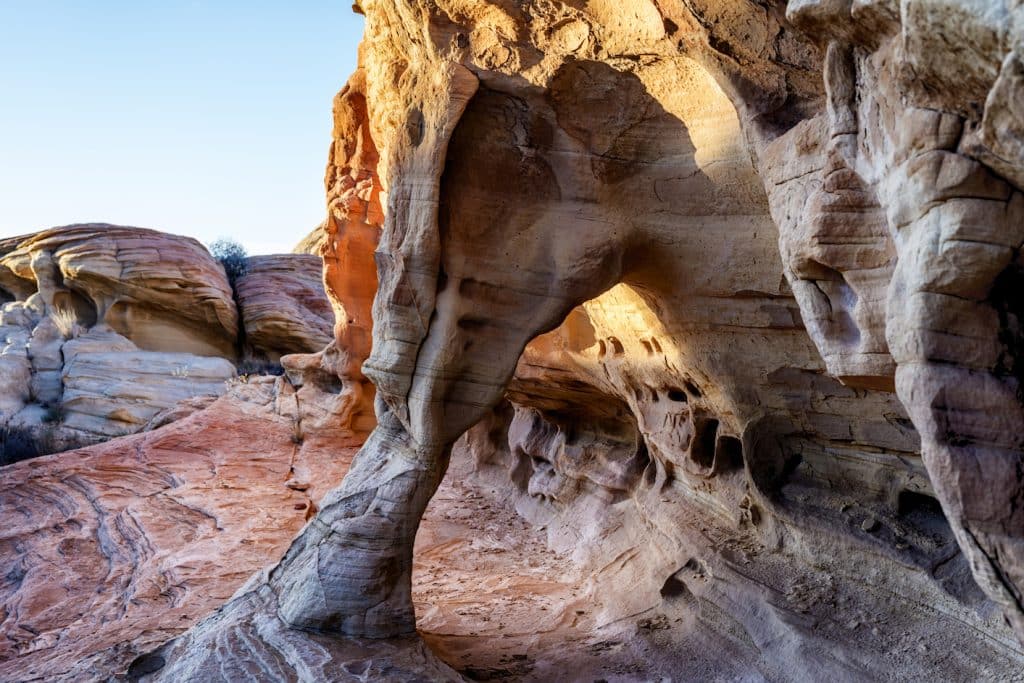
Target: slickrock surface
{"type": "Point", "coordinates": [153, 531]}
{"type": "Point", "coordinates": [109, 550]}
{"type": "Point", "coordinates": [283, 305]}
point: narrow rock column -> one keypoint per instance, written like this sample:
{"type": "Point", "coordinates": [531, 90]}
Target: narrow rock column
{"type": "Point", "coordinates": [350, 572]}
{"type": "Point", "coordinates": [954, 291]}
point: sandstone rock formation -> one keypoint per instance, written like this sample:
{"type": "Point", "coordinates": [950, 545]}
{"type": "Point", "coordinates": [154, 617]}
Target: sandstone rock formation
{"type": "Point", "coordinates": [918, 221]}
{"type": "Point", "coordinates": [109, 550]}
{"type": "Point", "coordinates": [283, 306]}
{"type": "Point", "coordinates": [163, 292]}
{"type": "Point", "coordinates": [104, 327]}
{"type": "Point", "coordinates": [773, 217]}
{"type": "Point", "coordinates": [722, 293]}
{"type": "Point", "coordinates": [110, 388]}
{"type": "Point", "coordinates": [93, 341]}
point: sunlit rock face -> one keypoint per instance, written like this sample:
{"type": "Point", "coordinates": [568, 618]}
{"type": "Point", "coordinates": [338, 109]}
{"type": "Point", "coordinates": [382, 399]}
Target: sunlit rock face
{"type": "Point", "coordinates": [102, 327]}
{"type": "Point", "coordinates": [283, 305]}
{"type": "Point", "coordinates": [109, 550]}
{"type": "Point", "coordinates": [726, 297]}
{"type": "Point", "coordinates": [164, 292]}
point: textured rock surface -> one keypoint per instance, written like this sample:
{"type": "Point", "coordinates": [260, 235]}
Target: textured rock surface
{"type": "Point", "coordinates": [727, 294]}
{"type": "Point", "coordinates": [283, 306]}
{"type": "Point", "coordinates": [919, 221]}
{"type": "Point", "coordinates": [773, 215]}
{"type": "Point", "coordinates": [102, 327]}
{"type": "Point", "coordinates": [110, 388]}
{"type": "Point", "coordinates": [164, 292]}
{"type": "Point", "coordinates": [494, 602]}
{"type": "Point", "coordinates": [107, 551]}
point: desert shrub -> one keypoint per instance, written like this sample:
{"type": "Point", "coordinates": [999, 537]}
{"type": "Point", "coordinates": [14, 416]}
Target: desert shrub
{"type": "Point", "coordinates": [232, 256]}
{"type": "Point", "coordinates": [259, 367]}
{"type": "Point", "coordinates": [66, 321]}
{"type": "Point", "coordinates": [19, 443]}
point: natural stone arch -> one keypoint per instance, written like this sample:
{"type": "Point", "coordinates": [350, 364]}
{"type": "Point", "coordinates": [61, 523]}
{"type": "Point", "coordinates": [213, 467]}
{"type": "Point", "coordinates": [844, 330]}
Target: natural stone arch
{"type": "Point", "coordinates": [428, 308]}
{"type": "Point", "coordinates": [349, 572]}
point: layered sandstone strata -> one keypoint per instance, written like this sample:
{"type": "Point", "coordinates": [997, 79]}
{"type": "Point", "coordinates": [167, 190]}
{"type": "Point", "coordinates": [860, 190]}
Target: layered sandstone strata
{"type": "Point", "coordinates": [722, 293]}
{"type": "Point", "coordinates": [109, 550]}
{"type": "Point", "coordinates": [103, 327]}
{"type": "Point", "coordinates": [283, 305]}
{"type": "Point", "coordinates": [164, 292]}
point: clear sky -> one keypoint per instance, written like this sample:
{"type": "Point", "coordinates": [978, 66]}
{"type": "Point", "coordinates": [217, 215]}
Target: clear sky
{"type": "Point", "coordinates": [208, 118]}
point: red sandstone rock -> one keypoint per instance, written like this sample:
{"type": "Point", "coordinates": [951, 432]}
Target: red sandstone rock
{"type": "Point", "coordinates": [108, 551]}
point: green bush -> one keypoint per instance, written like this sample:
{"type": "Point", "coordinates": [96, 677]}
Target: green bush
{"type": "Point", "coordinates": [232, 256]}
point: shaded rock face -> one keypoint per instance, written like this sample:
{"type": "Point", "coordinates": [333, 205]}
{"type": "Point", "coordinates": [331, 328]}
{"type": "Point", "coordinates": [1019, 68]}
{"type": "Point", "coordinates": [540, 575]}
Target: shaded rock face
{"type": "Point", "coordinates": [283, 305]}
{"type": "Point", "coordinates": [163, 292]}
{"type": "Point", "coordinates": [730, 286]}
{"type": "Point", "coordinates": [918, 229]}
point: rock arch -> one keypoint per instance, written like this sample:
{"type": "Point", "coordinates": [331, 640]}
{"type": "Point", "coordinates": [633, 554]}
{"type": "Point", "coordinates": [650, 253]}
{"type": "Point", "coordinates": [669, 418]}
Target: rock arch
{"type": "Point", "coordinates": [466, 282]}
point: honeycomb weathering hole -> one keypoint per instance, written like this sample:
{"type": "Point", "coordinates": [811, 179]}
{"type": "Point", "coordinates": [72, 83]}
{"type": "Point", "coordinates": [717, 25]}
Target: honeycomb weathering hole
{"type": "Point", "coordinates": [677, 395]}
{"type": "Point", "coordinates": [703, 449]}
{"type": "Point", "coordinates": [728, 453]}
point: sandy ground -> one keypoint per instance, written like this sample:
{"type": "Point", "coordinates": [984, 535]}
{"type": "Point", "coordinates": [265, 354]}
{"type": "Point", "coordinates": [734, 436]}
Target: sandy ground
{"type": "Point", "coordinates": [496, 604]}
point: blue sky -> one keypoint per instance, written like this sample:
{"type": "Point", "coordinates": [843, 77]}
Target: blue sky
{"type": "Point", "coordinates": [207, 118]}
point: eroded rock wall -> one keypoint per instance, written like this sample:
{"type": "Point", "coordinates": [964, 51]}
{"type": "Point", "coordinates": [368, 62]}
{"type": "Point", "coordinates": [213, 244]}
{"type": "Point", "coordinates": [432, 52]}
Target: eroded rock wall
{"type": "Point", "coordinates": [731, 286]}
{"type": "Point", "coordinates": [164, 292]}
{"type": "Point", "coordinates": [909, 244]}
{"type": "Point", "coordinates": [103, 327]}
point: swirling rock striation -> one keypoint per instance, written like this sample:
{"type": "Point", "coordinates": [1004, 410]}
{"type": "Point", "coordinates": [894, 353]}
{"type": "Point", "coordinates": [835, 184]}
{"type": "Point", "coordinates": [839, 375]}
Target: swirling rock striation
{"type": "Point", "coordinates": [793, 243]}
